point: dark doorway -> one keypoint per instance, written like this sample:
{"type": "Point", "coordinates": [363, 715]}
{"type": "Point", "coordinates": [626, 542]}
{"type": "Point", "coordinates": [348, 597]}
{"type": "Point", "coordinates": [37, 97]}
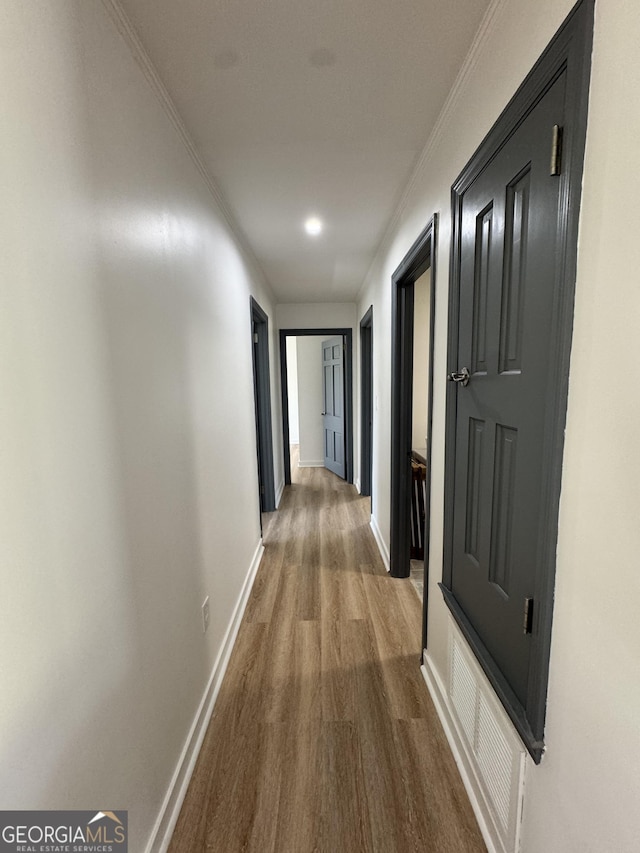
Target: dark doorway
{"type": "Point", "coordinates": [262, 399]}
{"type": "Point", "coordinates": [366, 402]}
{"type": "Point", "coordinates": [420, 258]}
{"type": "Point", "coordinates": [515, 217]}
{"type": "Point", "coordinates": [346, 335]}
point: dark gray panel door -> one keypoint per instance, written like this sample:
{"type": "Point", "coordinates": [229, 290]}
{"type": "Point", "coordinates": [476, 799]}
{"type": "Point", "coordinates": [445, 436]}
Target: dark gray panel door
{"type": "Point", "coordinates": [508, 275]}
{"type": "Point", "coordinates": [333, 405]}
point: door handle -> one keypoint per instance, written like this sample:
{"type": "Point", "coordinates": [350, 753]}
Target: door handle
{"type": "Point", "coordinates": [462, 377]}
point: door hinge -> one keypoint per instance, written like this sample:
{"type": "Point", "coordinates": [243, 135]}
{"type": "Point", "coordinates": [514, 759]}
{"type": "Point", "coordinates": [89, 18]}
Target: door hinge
{"type": "Point", "coordinates": [255, 337]}
{"type": "Point", "coordinates": [527, 622]}
{"type": "Point", "coordinates": [556, 149]}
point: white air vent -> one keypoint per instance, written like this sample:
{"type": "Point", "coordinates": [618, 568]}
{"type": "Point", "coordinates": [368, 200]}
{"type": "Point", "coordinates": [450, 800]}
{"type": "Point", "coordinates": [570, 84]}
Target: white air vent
{"type": "Point", "coordinates": [492, 746]}
{"type": "Point", "coordinates": [496, 762]}
{"type": "Point", "coordinates": [464, 693]}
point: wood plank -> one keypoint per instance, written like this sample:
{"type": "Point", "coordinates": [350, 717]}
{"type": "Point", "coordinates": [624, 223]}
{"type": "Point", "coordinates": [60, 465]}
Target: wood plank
{"type": "Point", "coordinates": [300, 794]}
{"type": "Point", "coordinates": [291, 683]}
{"type": "Point", "coordinates": [337, 681]}
{"type": "Point", "coordinates": [344, 823]}
{"type": "Point", "coordinates": [383, 774]}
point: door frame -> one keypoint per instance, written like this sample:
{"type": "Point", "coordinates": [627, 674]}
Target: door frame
{"type": "Point", "coordinates": [570, 49]}
{"type": "Point", "coordinates": [420, 257]}
{"type": "Point", "coordinates": [366, 402]}
{"type": "Point", "coordinates": [347, 335]}
{"type": "Point", "coordinates": [262, 400]}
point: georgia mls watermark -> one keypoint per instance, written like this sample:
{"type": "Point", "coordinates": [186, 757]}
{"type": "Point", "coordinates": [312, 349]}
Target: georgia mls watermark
{"type": "Point", "coordinates": [63, 832]}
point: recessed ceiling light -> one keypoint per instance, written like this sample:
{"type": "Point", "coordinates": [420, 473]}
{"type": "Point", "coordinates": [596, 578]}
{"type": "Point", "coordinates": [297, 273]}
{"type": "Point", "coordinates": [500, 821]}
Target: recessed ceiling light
{"type": "Point", "coordinates": [313, 226]}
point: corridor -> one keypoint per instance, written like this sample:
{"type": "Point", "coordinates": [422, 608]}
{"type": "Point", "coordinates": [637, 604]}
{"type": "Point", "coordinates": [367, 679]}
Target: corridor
{"type": "Point", "coordinates": [323, 737]}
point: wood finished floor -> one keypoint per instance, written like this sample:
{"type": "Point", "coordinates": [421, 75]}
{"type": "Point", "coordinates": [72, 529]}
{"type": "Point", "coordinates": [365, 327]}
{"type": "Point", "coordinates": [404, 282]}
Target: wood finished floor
{"type": "Point", "coordinates": [324, 737]}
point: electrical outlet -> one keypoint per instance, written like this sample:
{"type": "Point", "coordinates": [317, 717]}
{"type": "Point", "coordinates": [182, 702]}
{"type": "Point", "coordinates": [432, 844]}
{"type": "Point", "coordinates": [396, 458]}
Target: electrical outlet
{"type": "Point", "coordinates": [205, 615]}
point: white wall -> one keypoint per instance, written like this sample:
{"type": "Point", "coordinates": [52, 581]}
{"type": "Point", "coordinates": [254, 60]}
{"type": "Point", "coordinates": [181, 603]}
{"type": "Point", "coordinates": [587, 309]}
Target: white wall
{"type": "Point", "coordinates": [310, 401]}
{"type": "Point", "coordinates": [292, 390]}
{"type": "Point", "coordinates": [421, 321]}
{"type": "Point", "coordinates": [125, 358]}
{"type": "Point", "coordinates": [583, 797]}
{"type": "Point", "coordinates": [316, 315]}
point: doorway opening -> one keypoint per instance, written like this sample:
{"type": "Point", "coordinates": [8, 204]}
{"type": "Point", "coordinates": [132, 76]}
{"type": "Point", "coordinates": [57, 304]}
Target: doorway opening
{"type": "Point", "coordinates": [419, 417]}
{"type": "Point", "coordinates": [366, 403]}
{"type": "Point", "coordinates": [413, 296]}
{"type": "Point", "coordinates": [334, 423]}
{"type": "Point", "coordinates": [262, 401]}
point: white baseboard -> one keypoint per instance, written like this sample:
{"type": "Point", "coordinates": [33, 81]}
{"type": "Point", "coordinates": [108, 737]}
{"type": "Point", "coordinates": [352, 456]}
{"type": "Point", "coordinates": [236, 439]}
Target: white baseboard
{"type": "Point", "coordinates": [279, 492]}
{"type": "Point", "coordinates": [471, 783]}
{"type": "Point", "coordinates": [311, 463]}
{"type": "Point", "coordinates": [384, 552]}
{"type": "Point", "coordinates": [170, 811]}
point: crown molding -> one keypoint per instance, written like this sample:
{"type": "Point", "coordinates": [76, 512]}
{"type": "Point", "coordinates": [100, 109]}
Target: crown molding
{"type": "Point", "coordinates": [127, 31]}
{"type": "Point", "coordinates": [466, 70]}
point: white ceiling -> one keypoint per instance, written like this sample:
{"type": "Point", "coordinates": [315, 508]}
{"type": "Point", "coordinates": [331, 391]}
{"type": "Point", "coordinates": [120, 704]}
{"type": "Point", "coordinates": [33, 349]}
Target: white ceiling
{"type": "Point", "coordinates": [300, 108]}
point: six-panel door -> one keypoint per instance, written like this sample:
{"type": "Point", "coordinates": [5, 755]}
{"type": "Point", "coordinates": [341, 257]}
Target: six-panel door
{"type": "Point", "coordinates": [508, 274]}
